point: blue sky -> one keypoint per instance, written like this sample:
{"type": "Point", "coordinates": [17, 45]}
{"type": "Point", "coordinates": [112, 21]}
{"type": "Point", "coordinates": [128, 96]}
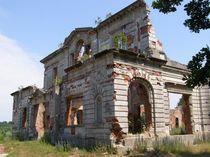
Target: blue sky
{"type": "Point", "coordinates": [32, 29]}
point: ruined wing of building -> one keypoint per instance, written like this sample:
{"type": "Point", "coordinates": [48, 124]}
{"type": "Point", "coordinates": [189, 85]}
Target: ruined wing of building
{"type": "Point", "coordinates": [109, 84]}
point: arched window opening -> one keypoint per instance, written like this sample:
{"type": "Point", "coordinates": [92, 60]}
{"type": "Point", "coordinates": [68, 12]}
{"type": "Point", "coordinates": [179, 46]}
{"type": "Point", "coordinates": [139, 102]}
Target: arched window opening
{"type": "Point", "coordinates": [98, 110]}
{"type": "Point", "coordinates": [139, 108]}
{"type": "Point", "coordinates": [83, 52]}
{"type": "Point", "coordinates": [177, 122]}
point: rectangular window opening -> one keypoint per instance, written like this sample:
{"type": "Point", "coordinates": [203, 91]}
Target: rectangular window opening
{"type": "Point", "coordinates": [55, 73]}
{"type": "Point", "coordinates": [46, 116]}
{"type": "Point", "coordinates": [73, 61]}
{"type": "Point", "coordinates": [180, 114]}
{"type": "Point", "coordinates": [36, 107]}
{"type": "Point", "coordinates": [74, 112]}
{"type": "Point", "coordinates": [24, 120]}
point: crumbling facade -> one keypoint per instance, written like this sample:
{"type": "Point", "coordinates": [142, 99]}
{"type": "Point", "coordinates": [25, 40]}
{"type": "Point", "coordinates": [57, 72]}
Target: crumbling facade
{"type": "Point", "coordinates": [176, 117]}
{"type": "Point", "coordinates": [108, 84]}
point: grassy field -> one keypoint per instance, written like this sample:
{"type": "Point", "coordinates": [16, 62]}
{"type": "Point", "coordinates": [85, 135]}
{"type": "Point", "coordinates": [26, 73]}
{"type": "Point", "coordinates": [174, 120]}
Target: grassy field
{"type": "Point", "coordinates": [174, 150]}
{"type": "Point", "coordinates": [32, 149]}
{"type": "Point", "coordinates": [40, 149]}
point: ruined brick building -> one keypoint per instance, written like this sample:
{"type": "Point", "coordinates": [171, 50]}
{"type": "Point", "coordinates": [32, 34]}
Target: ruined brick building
{"type": "Point", "coordinates": [109, 84]}
{"type": "Point", "coordinates": [176, 117]}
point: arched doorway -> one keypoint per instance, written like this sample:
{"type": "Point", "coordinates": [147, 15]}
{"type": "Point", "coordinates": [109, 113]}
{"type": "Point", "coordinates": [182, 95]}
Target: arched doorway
{"type": "Point", "coordinates": [80, 47]}
{"type": "Point", "coordinates": [139, 107]}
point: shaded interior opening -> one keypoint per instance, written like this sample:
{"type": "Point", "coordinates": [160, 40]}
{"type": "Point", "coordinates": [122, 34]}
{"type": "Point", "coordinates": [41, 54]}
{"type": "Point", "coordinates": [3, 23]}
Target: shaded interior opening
{"type": "Point", "coordinates": [74, 112]}
{"type": "Point", "coordinates": [24, 119]}
{"type": "Point", "coordinates": [180, 114]}
{"type": "Point", "coordinates": [98, 110]}
{"type": "Point", "coordinates": [40, 114]}
{"type": "Point", "coordinates": [139, 109]}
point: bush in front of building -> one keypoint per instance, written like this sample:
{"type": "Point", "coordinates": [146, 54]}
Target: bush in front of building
{"type": "Point", "coordinates": [5, 130]}
{"type": "Point", "coordinates": [109, 149]}
{"type": "Point", "coordinates": [178, 131]}
{"type": "Point", "coordinates": [168, 146]}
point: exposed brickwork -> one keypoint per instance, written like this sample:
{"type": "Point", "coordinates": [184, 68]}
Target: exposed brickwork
{"type": "Point", "coordinates": [132, 80]}
{"type": "Point", "coordinates": [39, 123]}
{"type": "Point", "coordinates": [145, 29]}
{"type": "Point", "coordinates": [176, 114]}
{"type": "Point", "coordinates": [187, 115]}
{"type": "Point", "coordinates": [116, 130]}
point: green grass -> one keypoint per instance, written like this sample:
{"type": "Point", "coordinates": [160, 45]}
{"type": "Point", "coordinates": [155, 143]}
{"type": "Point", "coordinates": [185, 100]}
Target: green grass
{"type": "Point", "coordinates": [168, 148]}
{"type": "Point", "coordinates": [5, 130]}
{"type": "Point", "coordinates": [32, 149]}
{"type": "Point", "coordinates": [180, 150]}
{"type": "Point", "coordinates": [178, 131]}
{"type": "Point", "coordinates": [41, 149]}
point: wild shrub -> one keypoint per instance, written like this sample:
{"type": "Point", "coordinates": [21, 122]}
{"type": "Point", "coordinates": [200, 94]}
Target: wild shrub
{"type": "Point", "coordinates": [5, 130]}
{"type": "Point", "coordinates": [109, 149]}
{"type": "Point", "coordinates": [140, 147]}
{"type": "Point", "coordinates": [20, 136]}
{"type": "Point", "coordinates": [46, 138]}
{"type": "Point", "coordinates": [1, 137]}
{"type": "Point", "coordinates": [178, 131]}
{"type": "Point", "coordinates": [168, 145]}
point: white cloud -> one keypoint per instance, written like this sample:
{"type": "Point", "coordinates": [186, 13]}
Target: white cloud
{"type": "Point", "coordinates": [17, 68]}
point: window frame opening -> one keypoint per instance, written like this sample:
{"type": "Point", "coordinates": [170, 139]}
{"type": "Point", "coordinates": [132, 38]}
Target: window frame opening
{"type": "Point", "coordinates": [74, 112]}
{"type": "Point", "coordinates": [24, 118]}
{"type": "Point", "coordinates": [139, 108]}
{"type": "Point", "coordinates": [181, 112]}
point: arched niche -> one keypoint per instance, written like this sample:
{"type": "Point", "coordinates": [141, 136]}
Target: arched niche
{"type": "Point", "coordinates": [80, 43]}
{"type": "Point", "coordinates": [140, 106]}
{"type": "Point", "coordinates": [98, 109]}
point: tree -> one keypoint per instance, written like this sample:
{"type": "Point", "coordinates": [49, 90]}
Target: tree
{"type": "Point", "coordinates": [198, 12]}
{"type": "Point", "coordinates": [200, 69]}
{"type": "Point", "coordinates": [181, 102]}
{"type": "Point", "coordinates": [5, 130]}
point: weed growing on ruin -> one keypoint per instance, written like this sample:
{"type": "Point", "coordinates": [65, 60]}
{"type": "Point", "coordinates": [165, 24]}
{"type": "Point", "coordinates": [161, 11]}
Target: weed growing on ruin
{"type": "Point", "coordinates": [105, 149]}
{"type": "Point", "coordinates": [140, 148]}
{"type": "Point", "coordinates": [178, 131]}
{"type": "Point", "coordinates": [168, 146]}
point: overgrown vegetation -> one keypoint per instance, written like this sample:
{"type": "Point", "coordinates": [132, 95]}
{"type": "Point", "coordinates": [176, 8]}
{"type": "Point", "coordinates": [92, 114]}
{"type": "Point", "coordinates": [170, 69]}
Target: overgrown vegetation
{"type": "Point", "coordinates": [140, 148]}
{"type": "Point", "coordinates": [20, 136]}
{"type": "Point", "coordinates": [172, 148]}
{"type": "Point", "coordinates": [57, 82]}
{"type": "Point", "coordinates": [168, 146]}
{"type": "Point", "coordinates": [180, 150]}
{"type": "Point", "coordinates": [138, 126]}
{"type": "Point", "coordinates": [42, 149]}
{"type": "Point", "coordinates": [199, 67]}
{"type": "Point", "coordinates": [178, 131]}
{"type": "Point", "coordinates": [32, 149]}
{"type": "Point", "coordinates": [165, 148]}
{"type": "Point", "coordinates": [107, 149]}
{"type": "Point", "coordinates": [85, 57]}
{"type": "Point", "coordinates": [198, 19]}
{"type": "Point", "coordinates": [120, 40]}
{"type": "Point", "coordinates": [5, 130]}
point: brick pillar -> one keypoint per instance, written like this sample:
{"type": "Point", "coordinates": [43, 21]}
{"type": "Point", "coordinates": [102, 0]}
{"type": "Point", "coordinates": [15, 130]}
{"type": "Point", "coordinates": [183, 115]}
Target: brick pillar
{"type": "Point", "coordinates": [187, 115]}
